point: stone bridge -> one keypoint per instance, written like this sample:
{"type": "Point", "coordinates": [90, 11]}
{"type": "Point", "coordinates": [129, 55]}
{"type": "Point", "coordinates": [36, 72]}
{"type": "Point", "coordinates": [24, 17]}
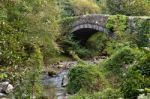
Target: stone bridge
{"type": "Point", "coordinates": [84, 26]}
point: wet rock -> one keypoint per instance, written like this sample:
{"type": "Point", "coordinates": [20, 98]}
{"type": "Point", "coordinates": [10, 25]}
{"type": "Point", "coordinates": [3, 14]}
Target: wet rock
{"type": "Point", "coordinates": [1, 89]}
{"type": "Point", "coordinates": [64, 81]}
{"type": "Point", "coordinates": [5, 87]}
{"type": "Point", "coordinates": [2, 84]}
{"type": "Point", "coordinates": [9, 88]}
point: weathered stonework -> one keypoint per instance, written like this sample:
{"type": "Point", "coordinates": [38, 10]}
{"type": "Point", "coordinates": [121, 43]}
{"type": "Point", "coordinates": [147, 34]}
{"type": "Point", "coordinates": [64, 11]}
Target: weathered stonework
{"type": "Point", "coordinates": [99, 21]}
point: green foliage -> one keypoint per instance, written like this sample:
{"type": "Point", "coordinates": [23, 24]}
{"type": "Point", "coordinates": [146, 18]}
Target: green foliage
{"type": "Point", "coordinates": [119, 60]}
{"type": "Point", "coordinates": [11, 48]}
{"type": "Point", "coordinates": [132, 82]}
{"type": "Point", "coordinates": [94, 45]}
{"type": "Point", "coordinates": [137, 77]}
{"type": "Point", "coordinates": [66, 24]}
{"type": "Point", "coordinates": [112, 46]}
{"type": "Point", "coordinates": [107, 93]}
{"type": "Point", "coordinates": [128, 7]}
{"type": "Point", "coordinates": [85, 7]}
{"type": "Point", "coordinates": [71, 45]}
{"type": "Point", "coordinates": [28, 29]}
{"type": "Point", "coordinates": [87, 78]}
{"type": "Point", "coordinates": [143, 30]}
{"type": "Point", "coordinates": [28, 84]}
{"type": "Point", "coordinates": [117, 24]}
{"type": "Point", "coordinates": [97, 42]}
{"type": "Point", "coordinates": [143, 65]}
{"type": "Point", "coordinates": [65, 8]}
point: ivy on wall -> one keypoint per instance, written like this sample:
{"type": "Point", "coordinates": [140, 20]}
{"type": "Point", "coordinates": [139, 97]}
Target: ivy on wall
{"type": "Point", "coordinates": [117, 24]}
{"type": "Point", "coordinates": [143, 31]}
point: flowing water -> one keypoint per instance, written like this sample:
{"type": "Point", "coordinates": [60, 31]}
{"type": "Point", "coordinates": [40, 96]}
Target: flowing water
{"type": "Point", "coordinates": [54, 87]}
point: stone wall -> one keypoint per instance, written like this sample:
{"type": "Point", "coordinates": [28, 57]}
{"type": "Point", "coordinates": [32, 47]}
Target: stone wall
{"type": "Point", "coordinates": [99, 21]}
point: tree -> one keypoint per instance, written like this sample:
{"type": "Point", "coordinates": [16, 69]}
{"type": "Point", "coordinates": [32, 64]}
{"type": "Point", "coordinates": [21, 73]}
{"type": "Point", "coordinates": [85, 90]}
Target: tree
{"type": "Point", "coordinates": [129, 7]}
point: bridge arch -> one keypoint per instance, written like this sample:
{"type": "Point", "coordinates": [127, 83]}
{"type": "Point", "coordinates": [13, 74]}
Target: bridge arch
{"type": "Point", "coordinates": [83, 32]}
{"type": "Point", "coordinates": [84, 26]}
{"type": "Point", "coordinates": [87, 25]}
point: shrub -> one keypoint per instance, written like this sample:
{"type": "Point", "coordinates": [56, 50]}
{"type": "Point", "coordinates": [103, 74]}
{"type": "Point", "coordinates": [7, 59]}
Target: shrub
{"type": "Point", "coordinates": [132, 82]}
{"type": "Point", "coordinates": [144, 66]}
{"type": "Point", "coordinates": [117, 62]}
{"type": "Point", "coordinates": [143, 29]}
{"type": "Point", "coordinates": [127, 7]}
{"type": "Point", "coordinates": [112, 46]}
{"type": "Point", "coordinates": [10, 45]}
{"type": "Point", "coordinates": [87, 78]}
{"type": "Point", "coordinates": [117, 24]}
{"type": "Point", "coordinates": [97, 42]}
{"type": "Point", "coordinates": [108, 93]}
{"type": "Point", "coordinates": [27, 80]}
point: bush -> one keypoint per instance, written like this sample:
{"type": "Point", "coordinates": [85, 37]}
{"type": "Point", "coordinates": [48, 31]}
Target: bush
{"type": "Point", "coordinates": [144, 66]}
{"type": "Point", "coordinates": [143, 29]}
{"type": "Point", "coordinates": [117, 62]}
{"type": "Point", "coordinates": [97, 42]}
{"type": "Point", "coordinates": [127, 7]}
{"type": "Point", "coordinates": [11, 49]}
{"type": "Point", "coordinates": [112, 46]}
{"type": "Point", "coordinates": [117, 25]}
{"type": "Point", "coordinates": [85, 7]}
{"type": "Point", "coordinates": [87, 78]}
{"type": "Point", "coordinates": [132, 82]}
{"type": "Point", "coordinates": [105, 94]}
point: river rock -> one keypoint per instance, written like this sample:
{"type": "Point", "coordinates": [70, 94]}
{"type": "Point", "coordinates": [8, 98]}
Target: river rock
{"type": "Point", "coordinates": [2, 84]}
{"type": "Point", "coordinates": [64, 81]}
{"type": "Point", "coordinates": [9, 88]}
{"type": "Point", "coordinates": [5, 87]}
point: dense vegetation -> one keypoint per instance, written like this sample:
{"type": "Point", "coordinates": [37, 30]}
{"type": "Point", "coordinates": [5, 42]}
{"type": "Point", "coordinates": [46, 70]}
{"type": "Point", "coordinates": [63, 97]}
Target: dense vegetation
{"type": "Point", "coordinates": [32, 37]}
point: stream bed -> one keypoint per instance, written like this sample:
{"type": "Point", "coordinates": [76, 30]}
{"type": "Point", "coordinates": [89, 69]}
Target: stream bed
{"type": "Point", "coordinates": [55, 87]}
